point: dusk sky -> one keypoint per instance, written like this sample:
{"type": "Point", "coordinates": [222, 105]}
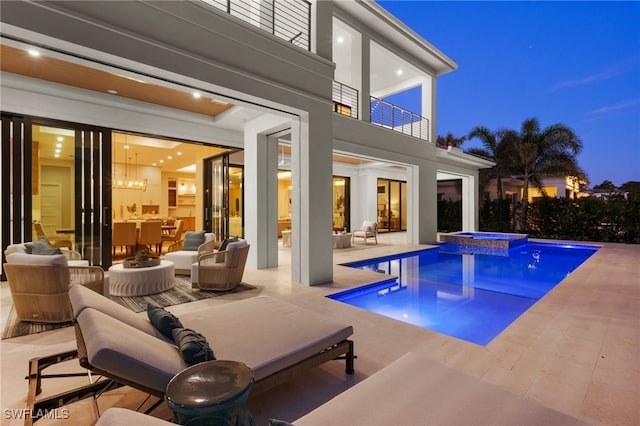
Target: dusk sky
{"type": "Point", "coordinates": [575, 63]}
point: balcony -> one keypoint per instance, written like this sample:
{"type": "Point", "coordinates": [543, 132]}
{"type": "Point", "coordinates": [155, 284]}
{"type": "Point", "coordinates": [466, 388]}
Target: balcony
{"type": "Point", "coordinates": [393, 117]}
{"type": "Point", "coordinates": [345, 100]}
{"type": "Point", "coordinates": [289, 20]}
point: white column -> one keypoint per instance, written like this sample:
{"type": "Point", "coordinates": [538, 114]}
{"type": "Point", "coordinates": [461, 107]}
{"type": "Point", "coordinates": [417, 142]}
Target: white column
{"type": "Point", "coordinates": [423, 221]}
{"type": "Point", "coordinates": [322, 29]}
{"type": "Point", "coordinates": [261, 193]}
{"type": "Point", "coordinates": [365, 87]}
{"type": "Point", "coordinates": [429, 105]}
{"type": "Point", "coordinates": [311, 200]}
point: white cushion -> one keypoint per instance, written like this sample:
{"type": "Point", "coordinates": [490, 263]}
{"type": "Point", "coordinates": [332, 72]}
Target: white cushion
{"type": "Point", "coordinates": [36, 259]}
{"type": "Point", "coordinates": [182, 260]}
{"type": "Point", "coordinates": [15, 248]}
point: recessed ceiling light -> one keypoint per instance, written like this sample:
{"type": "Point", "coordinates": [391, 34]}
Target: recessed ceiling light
{"type": "Point", "coordinates": [33, 52]}
{"type": "Point", "coordinates": [126, 147]}
{"type": "Point", "coordinates": [58, 145]}
{"type": "Point", "coordinates": [170, 157]}
{"type": "Point", "coordinates": [340, 39]}
{"type": "Point", "coordinates": [179, 153]}
{"type": "Point", "coordinates": [59, 138]}
{"type": "Point", "coordinates": [399, 72]}
{"type": "Point", "coordinates": [112, 91]}
{"type": "Point", "coordinates": [154, 164]}
{"type": "Point", "coordinates": [161, 161]}
{"type": "Point", "coordinates": [197, 95]}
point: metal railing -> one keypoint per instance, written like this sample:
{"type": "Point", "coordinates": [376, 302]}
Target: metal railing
{"type": "Point", "coordinates": [393, 117]}
{"type": "Point", "coordinates": [288, 19]}
{"type": "Point", "coordinates": [345, 99]}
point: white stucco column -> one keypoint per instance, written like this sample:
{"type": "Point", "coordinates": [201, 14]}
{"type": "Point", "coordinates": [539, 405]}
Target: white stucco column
{"type": "Point", "coordinates": [311, 197]}
{"type": "Point", "coordinates": [322, 24]}
{"type": "Point", "coordinates": [422, 223]}
{"type": "Point", "coordinates": [365, 87]}
{"type": "Point", "coordinates": [429, 87]}
{"type": "Point", "coordinates": [261, 192]}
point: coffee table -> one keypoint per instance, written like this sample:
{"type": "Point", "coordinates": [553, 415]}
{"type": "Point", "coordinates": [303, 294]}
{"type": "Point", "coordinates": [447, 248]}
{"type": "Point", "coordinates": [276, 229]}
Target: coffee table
{"type": "Point", "coordinates": [342, 240]}
{"type": "Point", "coordinates": [141, 281]}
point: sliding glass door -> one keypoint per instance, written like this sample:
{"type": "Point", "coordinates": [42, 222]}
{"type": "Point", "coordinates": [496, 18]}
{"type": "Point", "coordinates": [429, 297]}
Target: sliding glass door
{"type": "Point", "coordinates": [57, 185]}
{"type": "Point", "coordinates": [392, 205]}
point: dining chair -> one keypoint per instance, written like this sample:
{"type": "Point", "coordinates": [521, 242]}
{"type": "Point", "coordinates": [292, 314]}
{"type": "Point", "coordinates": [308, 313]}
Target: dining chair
{"type": "Point", "coordinates": [53, 241]}
{"type": "Point", "coordinates": [124, 235]}
{"type": "Point", "coordinates": [175, 234]}
{"type": "Point", "coordinates": [151, 235]}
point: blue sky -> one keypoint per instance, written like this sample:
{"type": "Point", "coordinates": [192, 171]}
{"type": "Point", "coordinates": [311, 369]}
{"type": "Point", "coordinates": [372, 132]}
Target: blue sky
{"type": "Point", "coordinates": [576, 63]}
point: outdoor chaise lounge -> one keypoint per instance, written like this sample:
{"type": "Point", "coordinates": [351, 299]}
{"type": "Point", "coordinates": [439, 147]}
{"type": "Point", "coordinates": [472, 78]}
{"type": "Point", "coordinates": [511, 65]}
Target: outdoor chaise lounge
{"type": "Point", "coordinates": [276, 339]}
{"type": "Point", "coordinates": [413, 390]}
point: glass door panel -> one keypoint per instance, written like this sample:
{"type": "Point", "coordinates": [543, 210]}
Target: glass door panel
{"type": "Point", "coordinates": [236, 201]}
{"type": "Point", "coordinates": [216, 196]}
{"type": "Point", "coordinates": [340, 204]}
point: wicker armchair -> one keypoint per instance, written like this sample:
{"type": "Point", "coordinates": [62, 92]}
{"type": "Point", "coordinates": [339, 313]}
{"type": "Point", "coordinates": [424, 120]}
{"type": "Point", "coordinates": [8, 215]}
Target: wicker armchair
{"type": "Point", "coordinates": [40, 285]}
{"type": "Point", "coordinates": [223, 270]}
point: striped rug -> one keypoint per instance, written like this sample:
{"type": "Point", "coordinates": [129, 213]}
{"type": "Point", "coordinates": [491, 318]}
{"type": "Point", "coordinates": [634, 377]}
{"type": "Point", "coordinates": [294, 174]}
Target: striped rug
{"type": "Point", "coordinates": [180, 293]}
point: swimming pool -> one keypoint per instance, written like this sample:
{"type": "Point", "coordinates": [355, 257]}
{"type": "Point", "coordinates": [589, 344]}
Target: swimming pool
{"type": "Point", "coordinates": [473, 297]}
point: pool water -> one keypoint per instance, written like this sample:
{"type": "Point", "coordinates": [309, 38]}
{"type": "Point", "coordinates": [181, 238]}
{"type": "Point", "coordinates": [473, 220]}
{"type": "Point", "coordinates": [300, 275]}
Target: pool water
{"type": "Point", "coordinates": [473, 297]}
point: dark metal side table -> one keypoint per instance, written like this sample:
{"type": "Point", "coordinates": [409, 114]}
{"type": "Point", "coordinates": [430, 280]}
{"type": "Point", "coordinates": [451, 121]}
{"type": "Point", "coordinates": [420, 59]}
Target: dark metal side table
{"type": "Point", "coordinates": [211, 393]}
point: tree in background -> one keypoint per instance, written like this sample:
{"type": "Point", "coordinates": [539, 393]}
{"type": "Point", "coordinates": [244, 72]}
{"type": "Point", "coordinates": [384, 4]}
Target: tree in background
{"type": "Point", "coordinates": [606, 186]}
{"type": "Point", "coordinates": [496, 148]}
{"type": "Point", "coordinates": [544, 152]}
{"type": "Point", "coordinates": [450, 140]}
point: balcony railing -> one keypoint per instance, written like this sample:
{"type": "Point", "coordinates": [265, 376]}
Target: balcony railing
{"type": "Point", "coordinates": [288, 19]}
{"type": "Point", "coordinates": [345, 100]}
{"type": "Point", "coordinates": [393, 117]}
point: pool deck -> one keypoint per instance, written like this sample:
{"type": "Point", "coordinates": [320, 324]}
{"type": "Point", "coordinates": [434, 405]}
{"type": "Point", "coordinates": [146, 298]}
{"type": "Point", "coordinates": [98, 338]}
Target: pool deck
{"type": "Point", "coordinates": [577, 350]}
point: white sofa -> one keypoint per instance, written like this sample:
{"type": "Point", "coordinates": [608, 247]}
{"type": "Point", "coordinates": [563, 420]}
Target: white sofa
{"type": "Point", "coordinates": [183, 259]}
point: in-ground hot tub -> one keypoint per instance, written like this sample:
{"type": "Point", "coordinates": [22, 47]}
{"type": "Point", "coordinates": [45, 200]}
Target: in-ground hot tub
{"type": "Point", "coordinates": [485, 240]}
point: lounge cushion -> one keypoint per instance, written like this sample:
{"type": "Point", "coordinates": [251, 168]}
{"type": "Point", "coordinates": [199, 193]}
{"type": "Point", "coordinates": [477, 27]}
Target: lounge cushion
{"type": "Point", "coordinates": [163, 320]}
{"type": "Point", "coordinates": [193, 346]}
{"type": "Point", "coordinates": [29, 259]}
{"type": "Point", "coordinates": [83, 298]}
{"type": "Point", "coordinates": [41, 247]}
{"type": "Point", "coordinates": [265, 333]}
{"type": "Point", "coordinates": [128, 352]}
{"type": "Point", "coordinates": [193, 240]}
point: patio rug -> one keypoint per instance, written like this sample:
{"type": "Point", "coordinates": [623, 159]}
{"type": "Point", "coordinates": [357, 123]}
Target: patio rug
{"type": "Point", "coordinates": [181, 293]}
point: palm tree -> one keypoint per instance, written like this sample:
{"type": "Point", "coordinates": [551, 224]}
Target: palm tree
{"type": "Point", "coordinates": [544, 152]}
{"type": "Point", "coordinates": [496, 148]}
{"type": "Point", "coordinates": [450, 140]}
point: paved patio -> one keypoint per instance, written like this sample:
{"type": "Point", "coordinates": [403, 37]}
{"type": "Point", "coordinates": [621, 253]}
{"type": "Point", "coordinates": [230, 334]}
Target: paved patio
{"type": "Point", "coordinates": [577, 350]}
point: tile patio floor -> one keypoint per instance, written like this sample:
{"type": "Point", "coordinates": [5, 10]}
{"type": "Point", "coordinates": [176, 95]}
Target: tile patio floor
{"type": "Point", "coordinates": [577, 350]}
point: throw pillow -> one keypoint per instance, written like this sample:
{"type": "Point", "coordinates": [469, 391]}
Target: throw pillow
{"type": "Point", "coordinates": [41, 247]}
{"type": "Point", "coordinates": [193, 346]}
{"type": "Point", "coordinates": [193, 240]}
{"type": "Point", "coordinates": [226, 242]}
{"type": "Point", "coordinates": [163, 320]}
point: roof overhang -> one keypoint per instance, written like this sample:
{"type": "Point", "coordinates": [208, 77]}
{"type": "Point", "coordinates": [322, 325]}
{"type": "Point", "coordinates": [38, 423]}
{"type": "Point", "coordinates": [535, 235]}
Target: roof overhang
{"type": "Point", "coordinates": [461, 157]}
{"type": "Point", "coordinates": [404, 41]}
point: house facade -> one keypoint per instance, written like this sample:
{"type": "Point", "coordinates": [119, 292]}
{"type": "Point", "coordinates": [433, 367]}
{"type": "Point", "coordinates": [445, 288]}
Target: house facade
{"type": "Point", "coordinates": [285, 88]}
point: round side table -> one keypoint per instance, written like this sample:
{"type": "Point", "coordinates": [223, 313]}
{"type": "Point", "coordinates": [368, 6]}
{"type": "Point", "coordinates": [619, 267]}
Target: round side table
{"type": "Point", "coordinates": [211, 393]}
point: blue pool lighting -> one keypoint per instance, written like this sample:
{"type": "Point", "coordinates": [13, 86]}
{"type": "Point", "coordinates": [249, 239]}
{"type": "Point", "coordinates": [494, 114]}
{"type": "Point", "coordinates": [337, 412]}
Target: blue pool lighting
{"type": "Point", "coordinates": [471, 296]}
